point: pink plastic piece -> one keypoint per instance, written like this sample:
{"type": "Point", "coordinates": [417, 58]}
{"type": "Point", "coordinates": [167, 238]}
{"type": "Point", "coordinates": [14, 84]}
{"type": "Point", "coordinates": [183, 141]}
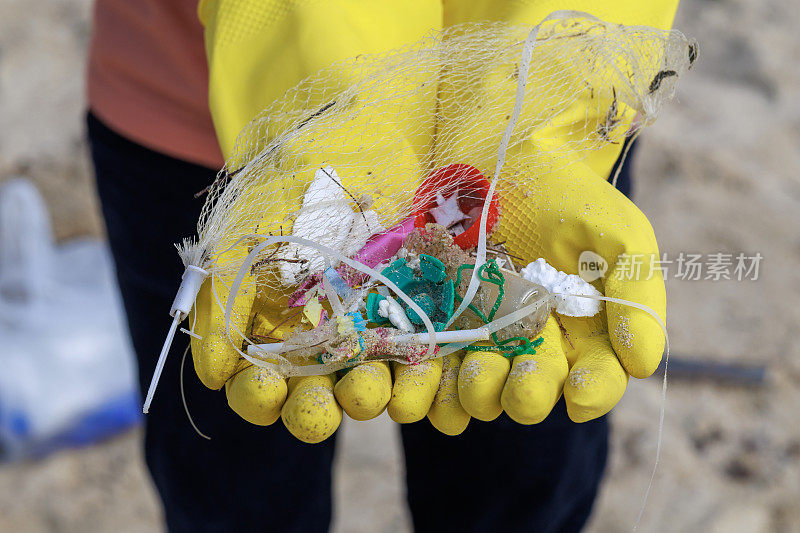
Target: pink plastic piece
{"type": "Point", "coordinates": [378, 248]}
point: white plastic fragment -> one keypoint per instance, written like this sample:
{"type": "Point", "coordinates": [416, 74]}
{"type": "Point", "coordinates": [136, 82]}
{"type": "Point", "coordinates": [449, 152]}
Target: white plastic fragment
{"type": "Point", "coordinates": [564, 286]}
{"type": "Point", "coordinates": [191, 282]}
{"type": "Point", "coordinates": [326, 217]}
{"type": "Point", "coordinates": [447, 211]}
{"type": "Point", "coordinates": [389, 308]}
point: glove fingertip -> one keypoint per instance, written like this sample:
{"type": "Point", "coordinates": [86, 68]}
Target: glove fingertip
{"type": "Point", "coordinates": [364, 391]}
{"type": "Point", "coordinates": [215, 361]}
{"type": "Point", "coordinates": [533, 387]}
{"type": "Point", "coordinates": [638, 341]}
{"type": "Point", "coordinates": [636, 336]}
{"type": "Point", "coordinates": [595, 383]}
{"type": "Point", "coordinates": [257, 395]}
{"type": "Point", "coordinates": [446, 413]}
{"type": "Point", "coordinates": [311, 412]}
{"type": "Point", "coordinates": [414, 389]}
{"type": "Point", "coordinates": [480, 384]}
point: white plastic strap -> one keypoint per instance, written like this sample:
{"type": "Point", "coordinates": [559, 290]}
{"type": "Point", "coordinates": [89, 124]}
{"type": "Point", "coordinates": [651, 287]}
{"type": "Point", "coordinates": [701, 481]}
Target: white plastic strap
{"type": "Point", "coordinates": [333, 297]}
{"type": "Point", "coordinates": [519, 100]}
{"type": "Point", "coordinates": [662, 410]}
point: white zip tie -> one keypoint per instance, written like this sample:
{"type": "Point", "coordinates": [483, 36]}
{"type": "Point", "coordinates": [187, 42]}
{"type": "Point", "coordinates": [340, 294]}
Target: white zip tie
{"type": "Point", "coordinates": [191, 282]}
{"type": "Point", "coordinates": [191, 334]}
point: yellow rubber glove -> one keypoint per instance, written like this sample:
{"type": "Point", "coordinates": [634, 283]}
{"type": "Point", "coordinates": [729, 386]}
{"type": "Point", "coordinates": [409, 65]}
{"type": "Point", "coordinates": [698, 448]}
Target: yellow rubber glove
{"type": "Point", "coordinates": [256, 394]}
{"type": "Point", "coordinates": [257, 49]}
{"type": "Point", "coordinates": [567, 214]}
{"type": "Point", "coordinates": [655, 13]}
{"type": "Point", "coordinates": [311, 413]}
{"type": "Point", "coordinates": [365, 391]}
{"type": "Point", "coordinates": [446, 412]}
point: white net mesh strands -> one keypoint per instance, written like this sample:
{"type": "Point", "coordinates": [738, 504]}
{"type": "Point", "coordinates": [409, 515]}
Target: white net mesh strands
{"type": "Point", "coordinates": [341, 157]}
{"type": "Point", "coordinates": [384, 122]}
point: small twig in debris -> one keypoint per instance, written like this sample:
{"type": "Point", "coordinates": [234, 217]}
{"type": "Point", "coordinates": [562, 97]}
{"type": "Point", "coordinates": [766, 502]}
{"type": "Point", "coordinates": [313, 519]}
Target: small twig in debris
{"type": "Point", "coordinates": [285, 260]}
{"type": "Point", "coordinates": [357, 202]}
{"type": "Point", "coordinates": [316, 113]}
{"type": "Point", "coordinates": [222, 176]}
{"type": "Point", "coordinates": [258, 264]}
{"type": "Point", "coordinates": [281, 323]}
{"type": "Point", "coordinates": [240, 371]}
{"type": "Point", "coordinates": [563, 329]}
{"type": "Point", "coordinates": [503, 251]}
{"type": "Point", "coordinates": [611, 121]}
{"type": "Point", "coordinates": [692, 54]}
{"type": "Point", "coordinates": [264, 338]}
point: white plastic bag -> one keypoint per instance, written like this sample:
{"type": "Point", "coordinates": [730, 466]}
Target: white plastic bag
{"type": "Point", "coordinates": [68, 375]}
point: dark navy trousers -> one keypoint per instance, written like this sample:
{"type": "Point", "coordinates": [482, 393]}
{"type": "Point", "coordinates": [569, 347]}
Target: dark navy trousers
{"type": "Point", "coordinates": [496, 476]}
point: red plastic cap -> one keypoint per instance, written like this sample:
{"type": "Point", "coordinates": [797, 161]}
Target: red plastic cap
{"type": "Point", "coordinates": [472, 189]}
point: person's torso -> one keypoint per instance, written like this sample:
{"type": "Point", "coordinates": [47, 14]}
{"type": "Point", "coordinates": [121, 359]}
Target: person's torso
{"type": "Point", "coordinates": [148, 77]}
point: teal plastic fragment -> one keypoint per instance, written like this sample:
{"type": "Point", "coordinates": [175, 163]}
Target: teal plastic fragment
{"type": "Point", "coordinates": [448, 298]}
{"type": "Point", "coordinates": [359, 324]}
{"type": "Point", "coordinates": [432, 269]}
{"type": "Point", "coordinates": [428, 287]}
{"type": "Point", "coordinates": [400, 273]}
{"type": "Point", "coordinates": [373, 301]}
{"type": "Point", "coordinates": [427, 304]}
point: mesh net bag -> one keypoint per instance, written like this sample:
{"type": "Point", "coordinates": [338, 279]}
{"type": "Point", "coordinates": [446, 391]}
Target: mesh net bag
{"type": "Point", "coordinates": [364, 148]}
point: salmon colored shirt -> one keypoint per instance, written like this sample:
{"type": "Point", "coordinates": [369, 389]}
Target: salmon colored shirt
{"type": "Point", "coordinates": [148, 77]}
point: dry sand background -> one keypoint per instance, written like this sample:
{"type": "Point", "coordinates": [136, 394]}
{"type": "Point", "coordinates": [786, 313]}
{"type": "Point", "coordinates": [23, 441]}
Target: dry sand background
{"type": "Point", "coordinates": [719, 172]}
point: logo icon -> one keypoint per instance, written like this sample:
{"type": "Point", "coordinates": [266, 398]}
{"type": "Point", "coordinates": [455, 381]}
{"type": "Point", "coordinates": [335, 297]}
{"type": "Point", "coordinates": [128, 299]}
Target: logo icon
{"type": "Point", "coordinates": [591, 266]}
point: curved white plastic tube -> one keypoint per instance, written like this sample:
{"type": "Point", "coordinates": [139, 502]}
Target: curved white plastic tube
{"type": "Point", "coordinates": [466, 335]}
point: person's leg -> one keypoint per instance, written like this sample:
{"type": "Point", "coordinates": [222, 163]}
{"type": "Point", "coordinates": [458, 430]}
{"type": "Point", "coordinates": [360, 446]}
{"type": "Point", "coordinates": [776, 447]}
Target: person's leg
{"type": "Point", "coordinates": [503, 476]}
{"type": "Point", "coordinates": [246, 477]}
